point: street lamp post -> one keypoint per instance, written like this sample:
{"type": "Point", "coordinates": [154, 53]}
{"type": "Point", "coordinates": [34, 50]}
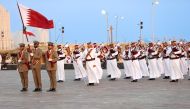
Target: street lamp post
{"type": "Point", "coordinates": [107, 24]}
{"type": "Point", "coordinates": [154, 3]}
{"type": "Point", "coordinates": [116, 26]}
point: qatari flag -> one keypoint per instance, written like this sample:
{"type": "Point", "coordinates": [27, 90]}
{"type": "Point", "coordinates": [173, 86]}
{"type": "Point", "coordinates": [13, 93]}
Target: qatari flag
{"type": "Point", "coordinates": [33, 18]}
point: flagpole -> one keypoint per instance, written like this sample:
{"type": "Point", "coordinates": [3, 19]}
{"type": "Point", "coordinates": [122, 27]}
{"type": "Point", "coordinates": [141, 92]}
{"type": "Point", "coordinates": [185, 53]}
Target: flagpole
{"type": "Point", "coordinates": [24, 28]}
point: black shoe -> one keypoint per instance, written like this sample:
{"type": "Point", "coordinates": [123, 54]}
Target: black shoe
{"type": "Point", "coordinates": [152, 79]}
{"type": "Point", "coordinates": [50, 90]}
{"type": "Point", "coordinates": [53, 90]}
{"type": "Point", "coordinates": [36, 90]}
{"type": "Point", "coordinates": [59, 81]}
{"type": "Point", "coordinates": [24, 90]}
{"type": "Point", "coordinates": [109, 76]}
{"type": "Point", "coordinates": [135, 80]}
{"type": "Point", "coordinates": [39, 89]}
{"type": "Point", "coordinates": [127, 78]}
{"type": "Point", "coordinates": [112, 79]}
{"type": "Point", "coordinates": [166, 77]}
{"type": "Point", "coordinates": [176, 80]}
{"type": "Point", "coordinates": [78, 79]}
{"type": "Point", "coordinates": [189, 79]}
{"type": "Point", "coordinates": [90, 84]}
{"type": "Point", "coordinates": [173, 81]}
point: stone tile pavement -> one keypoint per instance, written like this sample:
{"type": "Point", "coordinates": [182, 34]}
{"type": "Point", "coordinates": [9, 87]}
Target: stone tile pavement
{"type": "Point", "coordinates": [120, 94]}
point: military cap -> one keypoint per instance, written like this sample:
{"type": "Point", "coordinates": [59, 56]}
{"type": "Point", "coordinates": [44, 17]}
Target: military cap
{"type": "Point", "coordinates": [50, 43]}
{"type": "Point", "coordinates": [76, 45]}
{"type": "Point", "coordinates": [59, 45]}
{"type": "Point", "coordinates": [36, 42]}
{"type": "Point", "coordinates": [173, 41]}
{"type": "Point", "coordinates": [89, 43]}
{"type": "Point", "coordinates": [22, 45]}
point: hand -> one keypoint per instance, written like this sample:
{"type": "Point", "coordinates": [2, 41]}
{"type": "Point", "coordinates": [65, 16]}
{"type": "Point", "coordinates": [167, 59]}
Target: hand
{"type": "Point", "coordinates": [50, 60]}
{"type": "Point", "coordinates": [19, 60]}
{"type": "Point", "coordinates": [94, 65]}
{"type": "Point", "coordinates": [31, 54]}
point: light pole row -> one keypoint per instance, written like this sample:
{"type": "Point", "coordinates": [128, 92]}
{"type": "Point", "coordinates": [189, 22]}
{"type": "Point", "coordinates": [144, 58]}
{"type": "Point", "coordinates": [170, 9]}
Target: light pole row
{"type": "Point", "coordinates": [117, 18]}
{"type": "Point", "coordinates": [109, 28]}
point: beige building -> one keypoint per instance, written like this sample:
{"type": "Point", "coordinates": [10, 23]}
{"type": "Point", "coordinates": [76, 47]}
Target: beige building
{"type": "Point", "coordinates": [6, 42]}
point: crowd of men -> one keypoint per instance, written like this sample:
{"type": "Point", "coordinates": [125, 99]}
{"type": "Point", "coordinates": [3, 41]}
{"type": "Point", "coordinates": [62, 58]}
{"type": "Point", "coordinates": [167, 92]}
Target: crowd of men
{"type": "Point", "coordinates": [171, 59]}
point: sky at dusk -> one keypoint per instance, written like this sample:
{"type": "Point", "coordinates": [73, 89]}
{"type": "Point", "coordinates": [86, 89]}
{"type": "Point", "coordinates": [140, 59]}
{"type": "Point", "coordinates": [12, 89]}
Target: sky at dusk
{"type": "Point", "coordinates": [84, 22]}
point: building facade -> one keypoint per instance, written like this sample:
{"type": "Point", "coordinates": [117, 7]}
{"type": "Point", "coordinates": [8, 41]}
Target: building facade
{"type": "Point", "coordinates": [6, 42]}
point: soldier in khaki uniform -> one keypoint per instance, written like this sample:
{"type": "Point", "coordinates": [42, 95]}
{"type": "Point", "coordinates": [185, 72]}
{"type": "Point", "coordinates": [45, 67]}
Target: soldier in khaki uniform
{"type": "Point", "coordinates": [23, 66]}
{"type": "Point", "coordinates": [36, 55]}
{"type": "Point", "coordinates": [51, 58]}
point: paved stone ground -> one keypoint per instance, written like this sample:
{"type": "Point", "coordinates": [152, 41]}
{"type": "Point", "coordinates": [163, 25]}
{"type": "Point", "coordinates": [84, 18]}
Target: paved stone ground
{"type": "Point", "coordinates": [120, 94]}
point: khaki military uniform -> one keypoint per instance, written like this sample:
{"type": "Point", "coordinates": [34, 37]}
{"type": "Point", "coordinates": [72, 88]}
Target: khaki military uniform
{"type": "Point", "coordinates": [36, 66]}
{"type": "Point", "coordinates": [23, 67]}
{"type": "Point", "coordinates": [51, 67]}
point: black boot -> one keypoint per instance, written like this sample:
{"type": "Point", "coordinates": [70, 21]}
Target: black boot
{"type": "Point", "coordinates": [24, 90]}
{"type": "Point", "coordinates": [135, 80]}
{"type": "Point", "coordinates": [109, 76]}
{"type": "Point", "coordinates": [50, 90]}
{"type": "Point", "coordinates": [53, 90]}
{"type": "Point", "coordinates": [112, 79]}
{"type": "Point", "coordinates": [152, 79]}
{"type": "Point", "coordinates": [90, 84]}
{"type": "Point", "coordinates": [127, 78]}
{"type": "Point", "coordinates": [78, 79]}
{"type": "Point", "coordinates": [36, 90]}
{"type": "Point", "coordinates": [166, 77]}
{"type": "Point", "coordinates": [173, 81]}
{"type": "Point", "coordinates": [39, 89]}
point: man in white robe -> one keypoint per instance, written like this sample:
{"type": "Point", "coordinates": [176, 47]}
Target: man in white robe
{"type": "Point", "coordinates": [80, 72]}
{"type": "Point", "coordinates": [98, 62]}
{"type": "Point", "coordinates": [188, 57]}
{"type": "Point", "coordinates": [60, 64]}
{"type": "Point", "coordinates": [112, 63]}
{"type": "Point", "coordinates": [136, 70]}
{"type": "Point", "coordinates": [127, 62]}
{"type": "Point", "coordinates": [175, 69]}
{"type": "Point", "coordinates": [91, 69]}
{"type": "Point", "coordinates": [142, 61]}
{"type": "Point", "coordinates": [166, 60]}
{"type": "Point", "coordinates": [152, 62]}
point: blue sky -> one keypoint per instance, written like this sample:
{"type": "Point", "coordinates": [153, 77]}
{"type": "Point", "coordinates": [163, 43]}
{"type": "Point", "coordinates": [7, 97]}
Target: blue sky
{"type": "Point", "coordinates": [84, 22]}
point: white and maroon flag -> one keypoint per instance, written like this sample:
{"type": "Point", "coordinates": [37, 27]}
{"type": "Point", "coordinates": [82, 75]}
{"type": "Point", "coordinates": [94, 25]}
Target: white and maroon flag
{"type": "Point", "coordinates": [28, 33]}
{"type": "Point", "coordinates": [33, 18]}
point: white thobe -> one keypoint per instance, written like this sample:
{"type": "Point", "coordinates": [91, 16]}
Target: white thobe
{"type": "Point", "coordinates": [127, 65]}
{"type": "Point", "coordinates": [91, 69]}
{"type": "Point", "coordinates": [79, 69]}
{"type": "Point", "coordinates": [136, 70]}
{"type": "Point", "coordinates": [60, 68]}
{"type": "Point", "coordinates": [112, 66]}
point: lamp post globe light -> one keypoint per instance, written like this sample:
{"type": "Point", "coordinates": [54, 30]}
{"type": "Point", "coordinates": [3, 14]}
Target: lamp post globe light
{"type": "Point", "coordinates": [104, 13]}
